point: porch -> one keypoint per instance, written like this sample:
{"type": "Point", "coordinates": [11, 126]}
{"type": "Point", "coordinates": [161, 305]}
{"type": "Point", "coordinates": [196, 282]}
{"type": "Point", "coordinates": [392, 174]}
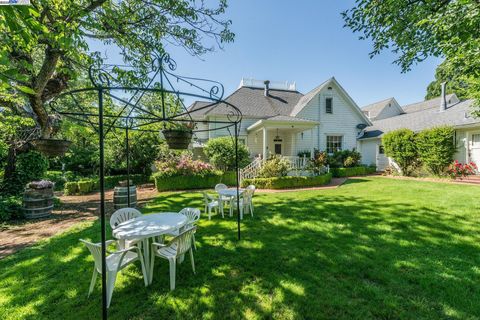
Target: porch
{"type": "Point", "coordinates": [278, 135]}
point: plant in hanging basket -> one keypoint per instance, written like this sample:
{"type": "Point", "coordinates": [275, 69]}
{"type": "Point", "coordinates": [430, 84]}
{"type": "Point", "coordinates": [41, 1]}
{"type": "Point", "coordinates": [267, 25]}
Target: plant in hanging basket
{"type": "Point", "coordinates": [39, 185]}
{"type": "Point", "coordinates": [180, 136]}
{"type": "Point", "coordinates": [51, 147]}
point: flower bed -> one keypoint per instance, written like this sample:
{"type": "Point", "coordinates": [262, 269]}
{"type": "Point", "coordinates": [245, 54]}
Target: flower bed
{"type": "Point", "coordinates": [353, 171]}
{"type": "Point", "coordinates": [288, 182]}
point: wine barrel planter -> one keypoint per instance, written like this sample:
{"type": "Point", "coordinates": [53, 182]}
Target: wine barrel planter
{"type": "Point", "coordinates": [120, 197]}
{"type": "Point", "coordinates": [178, 139]}
{"type": "Point", "coordinates": [38, 203]}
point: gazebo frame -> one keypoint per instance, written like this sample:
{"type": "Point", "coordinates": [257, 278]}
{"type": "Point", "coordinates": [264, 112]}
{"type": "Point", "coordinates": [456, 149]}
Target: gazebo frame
{"type": "Point", "coordinates": [132, 112]}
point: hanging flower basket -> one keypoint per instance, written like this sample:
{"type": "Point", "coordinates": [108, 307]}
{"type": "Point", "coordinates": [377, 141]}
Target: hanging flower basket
{"type": "Point", "coordinates": [51, 147]}
{"type": "Point", "coordinates": [178, 139]}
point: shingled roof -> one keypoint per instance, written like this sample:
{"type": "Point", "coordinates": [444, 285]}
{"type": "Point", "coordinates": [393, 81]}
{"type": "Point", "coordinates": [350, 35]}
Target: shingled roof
{"type": "Point", "coordinates": [375, 108]}
{"type": "Point", "coordinates": [456, 115]}
{"type": "Point", "coordinates": [429, 104]}
{"type": "Point", "coordinates": [253, 103]}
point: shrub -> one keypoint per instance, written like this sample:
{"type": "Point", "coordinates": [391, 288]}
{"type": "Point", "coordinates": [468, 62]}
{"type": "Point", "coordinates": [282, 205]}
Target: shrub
{"type": "Point", "coordinates": [30, 166]}
{"type": "Point", "coordinates": [459, 170]}
{"type": "Point", "coordinates": [193, 181]}
{"type": "Point", "coordinates": [344, 158]}
{"type": "Point", "coordinates": [353, 171]}
{"type": "Point", "coordinates": [10, 208]}
{"type": "Point", "coordinates": [436, 148]}
{"type": "Point", "coordinates": [185, 166]}
{"type": "Point", "coordinates": [288, 182]}
{"type": "Point", "coordinates": [70, 188]}
{"type": "Point", "coordinates": [400, 146]}
{"type": "Point", "coordinates": [318, 163]}
{"type": "Point", "coordinates": [56, 177]}
{"type": "Point", "coordinates": [221, 153]}
{"type": "Point", "coordinates": [85, 186]}
{"type": "Point", "coordinates": [275, 166]}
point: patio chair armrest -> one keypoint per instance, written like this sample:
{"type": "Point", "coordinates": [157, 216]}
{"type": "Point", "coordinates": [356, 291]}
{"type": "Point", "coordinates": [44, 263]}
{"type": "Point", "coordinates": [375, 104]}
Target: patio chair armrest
{"type": "Point", "coordinates": [123, 251]}
{"type": "Point", "coordinates": [160, 245]}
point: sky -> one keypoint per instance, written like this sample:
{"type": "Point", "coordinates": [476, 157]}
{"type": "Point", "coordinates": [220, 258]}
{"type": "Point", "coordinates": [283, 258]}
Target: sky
{"type": "Point", "coordinates": [302, 41]}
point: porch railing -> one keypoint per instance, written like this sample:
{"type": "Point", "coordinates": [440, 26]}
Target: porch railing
{"type": "Point", "coordinates": [251, 170]}
{"type": "Point", "coordinates": [297, 162]}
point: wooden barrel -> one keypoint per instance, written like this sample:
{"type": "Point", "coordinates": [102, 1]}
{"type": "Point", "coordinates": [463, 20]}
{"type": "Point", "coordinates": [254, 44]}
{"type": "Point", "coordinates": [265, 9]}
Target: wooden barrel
{"type": "Point", "coordinates": [38, 203]}
{"type": "Point", "coordinates": [120, 197]}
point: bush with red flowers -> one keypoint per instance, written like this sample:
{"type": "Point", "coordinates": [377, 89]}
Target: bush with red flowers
{"type": "Point", "coordinates": [461, 170]}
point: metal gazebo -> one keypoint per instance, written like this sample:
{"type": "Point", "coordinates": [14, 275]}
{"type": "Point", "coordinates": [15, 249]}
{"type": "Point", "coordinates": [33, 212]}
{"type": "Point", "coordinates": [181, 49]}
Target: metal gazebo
{"type": "Point", "coordinates": [129, 112]}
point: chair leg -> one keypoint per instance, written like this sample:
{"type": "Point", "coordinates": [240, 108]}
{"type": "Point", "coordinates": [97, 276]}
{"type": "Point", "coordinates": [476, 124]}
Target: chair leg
{"type": "Point", "coordinates": [111, 278]}
{"type": "Point", "coordinates": [152, 262]}
{"type": "Point", "coordinates": [92, 282]}
{"type": "Point", "coordinates": [241, 212]}
{"type": "Point", "coordinates": [191, 259]}
{"type": "Point", "coordinates": [144, 270]}
{"type": "Point", "coordinates": [193, 239]}
{"type": "Point", "coordinates": [209, 212]}
{"type": "Point", "coordinates": [172, 272]}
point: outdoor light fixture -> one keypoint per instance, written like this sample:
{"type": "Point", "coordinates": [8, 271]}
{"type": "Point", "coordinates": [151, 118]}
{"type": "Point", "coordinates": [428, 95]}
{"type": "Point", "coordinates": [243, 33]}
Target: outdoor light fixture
{"type": "Point", "coordinates": [277, 138]}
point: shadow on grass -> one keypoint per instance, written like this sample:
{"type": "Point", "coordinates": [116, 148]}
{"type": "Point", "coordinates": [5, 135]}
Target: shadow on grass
{"type": "Point", "coordinates": [304, 255]}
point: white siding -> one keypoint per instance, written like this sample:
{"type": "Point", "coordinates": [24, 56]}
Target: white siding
{"type": "Point", "coordinates": [368, 150]}
{"type": "Point", "coordinates": [342, 121]}
{"type": "Point", "coordinates": [389, 111]}
{"type": "Point", "coordinates": [462, 144]}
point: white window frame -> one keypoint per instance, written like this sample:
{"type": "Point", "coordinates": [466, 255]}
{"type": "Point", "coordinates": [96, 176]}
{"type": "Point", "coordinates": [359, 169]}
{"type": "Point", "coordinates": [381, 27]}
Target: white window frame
{"type": "Point", "coordinates": [331, 106]}
{"type": "Point", "coordinates": [340, 140]}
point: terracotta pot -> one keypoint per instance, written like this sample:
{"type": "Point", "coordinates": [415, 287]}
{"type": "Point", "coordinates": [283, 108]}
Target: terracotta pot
{"type": "Point", "coordinates": [51, 147]}
{"type": "Point", "coordinates": [178, 139]}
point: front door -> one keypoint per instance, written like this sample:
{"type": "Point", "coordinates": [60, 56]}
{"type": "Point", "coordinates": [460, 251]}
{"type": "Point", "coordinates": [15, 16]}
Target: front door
{"type": "Point", "coordinates": [475, 149]}
{"type": "Point", "coordinates": [278, 148]}
{"type": "Point", "coordinates": [382, 160]}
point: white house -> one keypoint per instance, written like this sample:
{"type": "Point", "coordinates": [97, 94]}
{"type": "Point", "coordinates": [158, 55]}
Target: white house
{"type": "Point", "coordinates": [278, 119]}
{"type": "Point", "coordinates": [448, 110]}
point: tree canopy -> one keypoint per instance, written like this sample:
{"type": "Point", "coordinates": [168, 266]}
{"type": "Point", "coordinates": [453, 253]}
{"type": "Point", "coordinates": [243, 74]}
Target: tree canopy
{"type": "Point", "coordinates": [456, 82]}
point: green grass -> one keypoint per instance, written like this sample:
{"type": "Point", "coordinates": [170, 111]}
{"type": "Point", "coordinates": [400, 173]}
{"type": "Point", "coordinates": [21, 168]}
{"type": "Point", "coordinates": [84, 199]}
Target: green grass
{"type": "Point", "coordinates": [374, 248]}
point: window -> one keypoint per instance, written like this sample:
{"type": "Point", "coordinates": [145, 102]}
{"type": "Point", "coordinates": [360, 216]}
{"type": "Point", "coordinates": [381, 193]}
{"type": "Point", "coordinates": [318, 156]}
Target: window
{"type": "Point", "coordinates": [476, 140]}
{"type": "Point", "coordinates": [334, 143]}
{"type": "Point", "coordinates": [381, 150]}
{"type": "Point", "coordinates": [242, 141]}
{"type": "Point", "coordinates": [329, 105]}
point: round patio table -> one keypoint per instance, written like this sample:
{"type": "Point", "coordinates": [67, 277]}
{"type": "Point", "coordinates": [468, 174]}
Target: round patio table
{"type": "Point", "coordinates": [229, 193]}
{"type": "Point", "coordinates": [146, 227]}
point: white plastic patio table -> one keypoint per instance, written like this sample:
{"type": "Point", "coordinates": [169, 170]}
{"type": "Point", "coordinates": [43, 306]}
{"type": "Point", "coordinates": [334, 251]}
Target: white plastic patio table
{"type": "Point", "coordinates": [148, 226]}
{"type": "Point", "coordinates": [230, 192]}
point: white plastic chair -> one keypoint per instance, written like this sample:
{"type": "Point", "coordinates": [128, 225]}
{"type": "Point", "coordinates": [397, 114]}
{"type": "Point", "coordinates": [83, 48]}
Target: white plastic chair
{"type": "Point", "coordinates": [210, 203]}
{"type": "Point", "coordinates": [252, 189]}
{"type": "Point", "coordinates": [223, 200]}
{"type": "Point", "coordinates": [122, 215]}
{"type": "Point", "coordinates": [245, 202]}
{"type": "Point", "coordinates": [172, 251]}
{"type": "Point", "coordinates": [116, 261]}
{"type": "Point", "coordinates": [192, 215]}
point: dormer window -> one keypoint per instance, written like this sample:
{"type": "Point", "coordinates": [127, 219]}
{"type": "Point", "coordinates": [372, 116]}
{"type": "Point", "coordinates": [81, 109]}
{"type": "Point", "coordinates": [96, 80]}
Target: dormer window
{"type": "Point", "coordinates": [329, 105]}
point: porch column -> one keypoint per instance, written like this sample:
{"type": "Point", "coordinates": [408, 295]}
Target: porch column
{"type": "Point", "coordinates": [312, 147]}
{"type": "Point", "coordinates": [265, 144]}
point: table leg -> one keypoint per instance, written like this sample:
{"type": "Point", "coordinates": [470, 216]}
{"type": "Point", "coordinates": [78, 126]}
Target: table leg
{"type": "Point", "coordinates": [146, 258]}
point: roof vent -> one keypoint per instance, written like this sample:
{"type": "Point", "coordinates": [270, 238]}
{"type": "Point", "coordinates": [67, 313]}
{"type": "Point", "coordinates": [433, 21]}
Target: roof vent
{"type": "Point", "coordinates": [443, 98]}
{"type": "Point", "coordinates": [267, 87]}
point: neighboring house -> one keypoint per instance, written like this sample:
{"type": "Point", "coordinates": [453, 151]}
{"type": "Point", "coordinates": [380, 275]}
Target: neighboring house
{"type": "Point", "coordinates": [277, 119]}
{"type": "Point", "coordinates": [445, 110]}
{"type": "Point", "coordinates": [382, 109]}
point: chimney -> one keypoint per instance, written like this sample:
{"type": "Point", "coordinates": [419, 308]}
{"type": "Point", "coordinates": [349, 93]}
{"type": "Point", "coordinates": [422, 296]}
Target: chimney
{"type": "Point", "coordinates": [267, 84]}
{"type": "Point", "coordinates": [443, 98]}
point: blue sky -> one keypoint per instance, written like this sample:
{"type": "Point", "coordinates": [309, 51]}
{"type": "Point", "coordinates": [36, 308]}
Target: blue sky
{"type": "Point", "coordinates": [303, 41]}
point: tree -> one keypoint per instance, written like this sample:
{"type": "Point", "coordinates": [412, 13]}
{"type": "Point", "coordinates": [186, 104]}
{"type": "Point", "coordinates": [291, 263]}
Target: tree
{"type": "Point", "coordinates": [221, 153]}
{"type": "Point", "coordinates": [400, 146]}
{"type": "Point", "coordinates": [417, 29]}
{"type": "Point", "coordinates": [436, 148]}
{"type": "Point", "coordinates": [44, 48]}
{"type": "Point", "coordinates": [456, 83]}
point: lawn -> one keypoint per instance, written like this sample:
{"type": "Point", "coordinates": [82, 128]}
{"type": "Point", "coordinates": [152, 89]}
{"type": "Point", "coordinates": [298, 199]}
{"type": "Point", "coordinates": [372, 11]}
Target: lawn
{"type": "Point", "coordinates": [372, 248]}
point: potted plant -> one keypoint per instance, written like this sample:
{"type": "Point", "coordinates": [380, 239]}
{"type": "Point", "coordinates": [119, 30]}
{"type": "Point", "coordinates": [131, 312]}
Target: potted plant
{"type": "Point", "coordinates": [48, 145]}
{"type": "Point", "coordinates": [180, 136]}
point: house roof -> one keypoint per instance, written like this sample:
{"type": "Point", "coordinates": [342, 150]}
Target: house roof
{"type": "Point", "coordinates": [456, 115]}
{"type": "Point", "coordinates": [253, 103]}
{"type": "Point", "coordinates": [428, 104]}
{"type": "Point", "coordinates": [375, 108]}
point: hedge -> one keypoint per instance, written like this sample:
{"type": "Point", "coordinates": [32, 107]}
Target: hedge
{"type": "Point", "coordinates": [288, 182]}
{"type": "Point", "coordinates": [194, 181]}
{"type": "Point", "coordinates": [88, 185]}
{"type": "Point", "coordinates": [354, 171]}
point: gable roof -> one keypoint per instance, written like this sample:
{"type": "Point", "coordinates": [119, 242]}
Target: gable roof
{"type": "Point", "coordinates": [310, 95]}
{"type": "Point", "coordinates": [428, 104]}
{"type": "Point", "coordinates": [253, 103]}
{"type": "Point", "coordinates": [456, 115]}
{"type": "Point", "coordinates": [374, 109]}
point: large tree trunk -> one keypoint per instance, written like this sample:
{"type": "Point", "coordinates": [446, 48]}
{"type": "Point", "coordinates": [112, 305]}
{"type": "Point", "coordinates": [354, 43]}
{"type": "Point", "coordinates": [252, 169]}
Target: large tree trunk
{"type": "Point", "coordinates": [10, 166]}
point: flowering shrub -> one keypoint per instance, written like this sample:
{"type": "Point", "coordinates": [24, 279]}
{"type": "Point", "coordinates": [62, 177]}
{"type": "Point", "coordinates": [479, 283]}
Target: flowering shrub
{"type": "Point", "coordinates": [184, 166]}
{"type": "Point", "coordinates": [275, 166]}
{"type": "Point", "coordinates": [460, 170]}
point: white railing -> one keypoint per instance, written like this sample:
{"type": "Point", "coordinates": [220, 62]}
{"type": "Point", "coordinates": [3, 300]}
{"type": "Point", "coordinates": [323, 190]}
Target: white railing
{"type": "Point", "coordinates": [297, 162]}
{"type": "Point", "coordinates": [251, 170]}
{"type": "Point", "coordinates": [279, 85]}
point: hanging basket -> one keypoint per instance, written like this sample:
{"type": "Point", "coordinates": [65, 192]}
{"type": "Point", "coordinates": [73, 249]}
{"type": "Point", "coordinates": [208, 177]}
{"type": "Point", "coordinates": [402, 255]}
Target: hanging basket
{"type": "Point", "coordinates": [51, 147]}
{"type": "Point", "coordinates": [178, 139]}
